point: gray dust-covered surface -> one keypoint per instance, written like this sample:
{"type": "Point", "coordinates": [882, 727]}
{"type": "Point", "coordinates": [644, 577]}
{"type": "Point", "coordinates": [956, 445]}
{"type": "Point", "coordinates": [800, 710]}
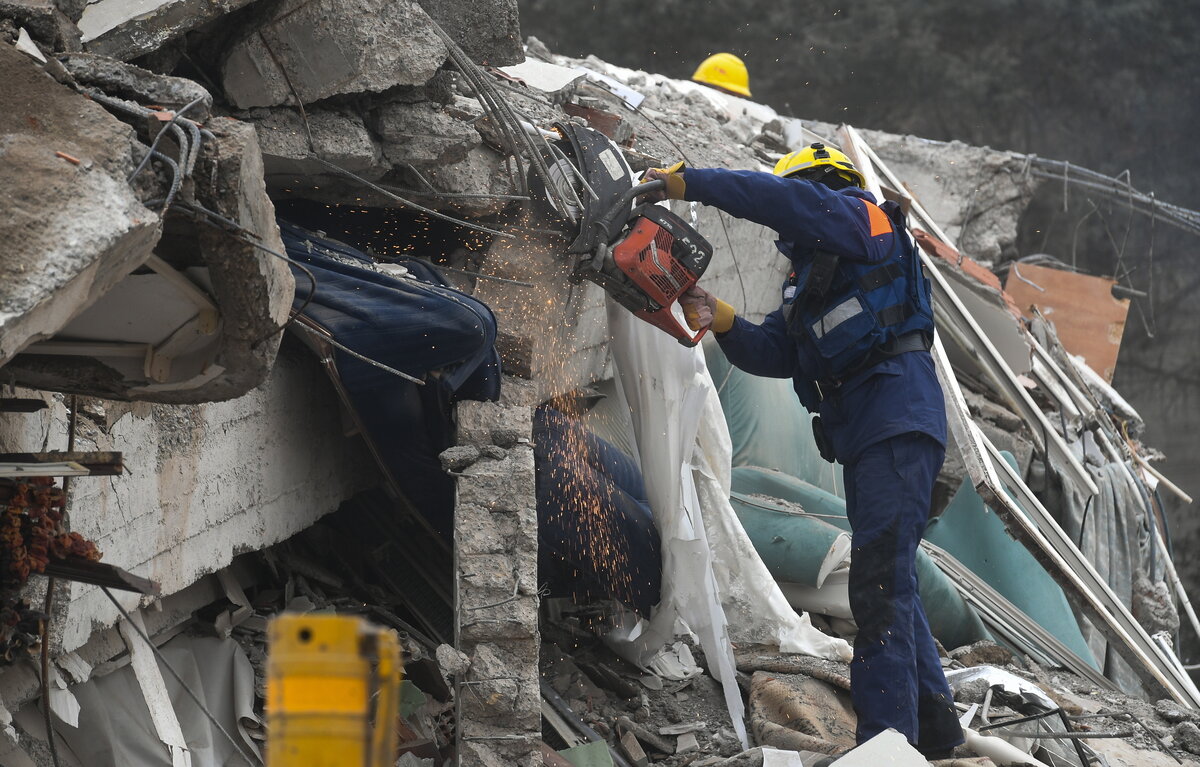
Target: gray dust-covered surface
{"type": "Point", "coordinates": [69, 220]}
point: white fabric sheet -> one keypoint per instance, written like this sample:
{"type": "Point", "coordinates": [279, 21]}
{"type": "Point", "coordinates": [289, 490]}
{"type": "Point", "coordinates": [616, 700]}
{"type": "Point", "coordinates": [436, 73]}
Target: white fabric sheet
{"type": "Point", "coordinates": [684, 450]}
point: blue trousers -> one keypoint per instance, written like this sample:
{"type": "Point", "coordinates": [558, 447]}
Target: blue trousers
{"type": "Point", "coordinates": [896, 678]}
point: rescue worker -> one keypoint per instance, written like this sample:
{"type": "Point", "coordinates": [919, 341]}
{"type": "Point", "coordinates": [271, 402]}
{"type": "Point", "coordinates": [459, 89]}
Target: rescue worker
{"type": "Point", "coordinates": [726, 73]}
{"type": "Point", "coordinates": [853, 334]}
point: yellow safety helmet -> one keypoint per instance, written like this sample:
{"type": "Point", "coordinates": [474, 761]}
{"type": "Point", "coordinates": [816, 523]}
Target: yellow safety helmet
{"type": "Point", "coordinates": [724, 71]}
{"type": "Point", "coordinates": [817, 156]}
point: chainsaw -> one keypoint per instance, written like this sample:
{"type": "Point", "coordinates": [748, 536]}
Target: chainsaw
{"type": "Point", "coordinates": [645, 257]}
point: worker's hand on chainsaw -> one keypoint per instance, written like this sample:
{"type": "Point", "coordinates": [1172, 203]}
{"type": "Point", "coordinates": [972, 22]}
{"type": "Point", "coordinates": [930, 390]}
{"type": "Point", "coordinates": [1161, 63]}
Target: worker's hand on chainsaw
{"type": "Point", "coordinates": [698, 307]}
{"type": "Point", "coordinates": [673, 176]}
{"type": "Point", "coordinates": [702, 309]}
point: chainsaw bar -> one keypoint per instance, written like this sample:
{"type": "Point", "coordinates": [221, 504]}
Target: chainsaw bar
{"type": "Point", "coordinates": [596, 175]}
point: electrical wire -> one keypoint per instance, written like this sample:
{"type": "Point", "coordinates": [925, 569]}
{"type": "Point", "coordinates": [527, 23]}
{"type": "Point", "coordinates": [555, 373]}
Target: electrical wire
{"type": "Point", "coordinates": [720, 214]}
{"type": "Point", "coordinates": [362, 357]}
{"type": "Point", "coordinates": [234, 229]}
{"type": "Point", "coordinates": [409, 203]}
{"type": "Point", "coordinates": [1114, 188]}
{"type": "Point", "coordinates": [154, 144]}
{"type": "Point", "coordinates": [179, 679]}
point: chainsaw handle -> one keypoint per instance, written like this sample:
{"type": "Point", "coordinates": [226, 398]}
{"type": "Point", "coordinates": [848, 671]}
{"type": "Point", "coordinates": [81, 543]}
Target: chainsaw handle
{"type": "Point", "coordinates": [690, 342]}
{"type": "Point", "coordinates": [625, 200]}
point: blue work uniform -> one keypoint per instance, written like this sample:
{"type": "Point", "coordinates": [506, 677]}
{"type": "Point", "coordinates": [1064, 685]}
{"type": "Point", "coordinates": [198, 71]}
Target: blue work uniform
{"type": "Point", "coordinates": [886, 424]}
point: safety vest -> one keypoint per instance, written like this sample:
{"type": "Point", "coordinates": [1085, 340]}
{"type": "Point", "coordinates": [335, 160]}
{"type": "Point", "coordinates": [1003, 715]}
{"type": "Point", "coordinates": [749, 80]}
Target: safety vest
{"type": "Point", "coordinates": [856, 313]}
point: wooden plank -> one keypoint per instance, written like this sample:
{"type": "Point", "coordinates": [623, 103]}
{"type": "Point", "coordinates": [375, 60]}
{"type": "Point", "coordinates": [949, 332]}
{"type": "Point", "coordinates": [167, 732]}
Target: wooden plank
{"type": "Point", "coordinates": [99, 463]}
{"type": "Point", "coordinates": [193, 292]}
{"type": "Point", "coordinates": [975, 340]}
{"type": "Point", "coordinates": [1088, 319]}
{"type": "Point", "coordinates": [88, 349]}
{"type": "Point", "coordinates": [993, 478]}
{"type": "Point", "coordinates": [19, 469]}
{"type": "Point", "coordinates": [21, 405]}
{"type": "Point", "coordinates": [100, 574]}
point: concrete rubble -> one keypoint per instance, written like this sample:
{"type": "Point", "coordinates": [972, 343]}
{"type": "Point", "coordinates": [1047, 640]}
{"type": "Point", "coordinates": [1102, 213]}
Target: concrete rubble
{"type": "Point", "coordinates": [143, 312]}
{"type": "Point", "coordinates": [81, 216]}
{"type": "Point", "coordinates": [350, 46]}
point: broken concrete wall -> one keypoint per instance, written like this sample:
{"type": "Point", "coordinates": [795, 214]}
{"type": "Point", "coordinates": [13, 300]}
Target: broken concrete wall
{"type": "Point", "coordinates": [203, 482]}
{"type": "Point", "coordinates": [331, 47]}
{"type": "Point", "coordinates": [72, 224]}
{"type": "Point", "coordinates": [495, 540]}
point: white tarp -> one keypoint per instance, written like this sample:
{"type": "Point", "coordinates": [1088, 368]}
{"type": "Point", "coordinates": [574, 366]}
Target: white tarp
{"type": "Point", "coordinates": [684, 451]}
{"type": "Point", "coordinates": [755, 607]}
{"type": "Point", "coordinates": [118, 724]}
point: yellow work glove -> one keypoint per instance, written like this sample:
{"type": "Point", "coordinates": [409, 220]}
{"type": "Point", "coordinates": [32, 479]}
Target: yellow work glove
{"type": "Point", "coordinates": [674, 178]}
{"type": "Point", "coordinates": [703, 309]}
{"type": "Point", "coordinates": [723, 317]}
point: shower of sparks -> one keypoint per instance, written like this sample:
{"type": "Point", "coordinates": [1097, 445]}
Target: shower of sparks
{"type": "Point", "coordinates": [550, 315]}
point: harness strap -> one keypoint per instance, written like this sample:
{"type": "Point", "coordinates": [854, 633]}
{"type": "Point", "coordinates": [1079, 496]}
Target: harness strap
{"type": "Point", "coordinates": [880, 276]}
{"type": "Point", "coordinates": [820, 276]}
{"type": "Point", "coordinates": [909, 342]}
{"type": "Point", "coordinates": [895, 314]}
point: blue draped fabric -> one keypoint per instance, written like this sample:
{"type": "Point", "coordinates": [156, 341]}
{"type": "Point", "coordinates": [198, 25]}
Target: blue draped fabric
{"type": "Point", "coordinates": [596, 534]}
{"type": "Point", "coordinates": [416, 324]}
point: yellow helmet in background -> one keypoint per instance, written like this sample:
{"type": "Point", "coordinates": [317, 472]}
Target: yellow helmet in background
{"type": "Point", "coordinates": [817, 156]}
{"type": "Point", "coordinates": [724, 71]}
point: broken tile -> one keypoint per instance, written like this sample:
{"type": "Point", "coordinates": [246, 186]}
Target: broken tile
{"type": "Point", "coordinates": [888, 747]}
{"type": "Point", "coordinates": [633, 750]}
{"type": "Point", "coordinates": [682, 728]}
{"type": "Point", "coordinates": [555, 81]}
{"type": "Point", "coordinates": [686, 743]}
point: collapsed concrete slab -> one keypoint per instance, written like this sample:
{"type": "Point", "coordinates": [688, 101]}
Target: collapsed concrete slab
{"type": "Point", "coordinates": [423, 134]}
{"type": "Point", "coordinates": [45, 21]}
{"type": "Point", "coordinates": [141, 85]}
{"type": "Point", "coordinates": [127, 29]}
{"type": "Point", "coordinates": [73, 225]}
{"type": "Point", "coordinates": [339, 137]}
{"type": "Point", "coordinates": [220, 348]}
{"type": "Point", "coordinates": [291, 166]}
{"type": "Point", "coordinates": [422, 150]}
{"type": "Point", "coordinates": [487, 30]}
{"type": "Point", "coordinates": [330, 47]}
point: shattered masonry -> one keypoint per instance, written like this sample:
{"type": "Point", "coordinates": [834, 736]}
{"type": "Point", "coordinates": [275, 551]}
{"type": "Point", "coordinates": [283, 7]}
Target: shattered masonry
{"type": "Point", "coordinates": [200, 242]}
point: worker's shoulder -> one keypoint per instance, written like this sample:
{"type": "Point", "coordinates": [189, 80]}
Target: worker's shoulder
{"type": "Point", "coordinates": [877, 218]}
